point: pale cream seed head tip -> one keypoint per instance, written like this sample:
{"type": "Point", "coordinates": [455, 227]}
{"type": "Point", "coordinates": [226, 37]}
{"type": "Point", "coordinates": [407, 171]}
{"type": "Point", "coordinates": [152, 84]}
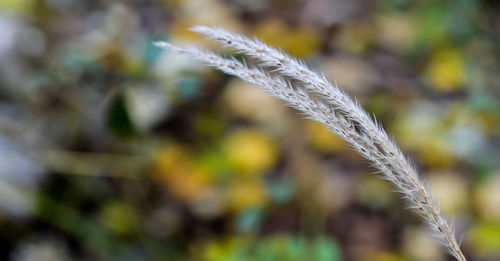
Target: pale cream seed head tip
{"type": "Point", "coordinates": [163, 44]}
{"type": "Point", "coordinates": [201, 29]}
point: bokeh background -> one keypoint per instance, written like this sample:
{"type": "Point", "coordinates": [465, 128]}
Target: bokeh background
{"type": "Point", "coordinates": [111, 149]}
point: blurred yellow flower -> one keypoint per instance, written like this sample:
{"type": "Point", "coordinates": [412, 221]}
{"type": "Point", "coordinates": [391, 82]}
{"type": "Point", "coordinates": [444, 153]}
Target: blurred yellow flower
{"type": "Point", "coordinates": [247, 194]}
{"type": "Point", "coordinates": [446, 70]}
{"type": "Point", "coordinates": [321, 139]}
{"type": "Point", "coordinates": [250, 151]}
{"type": "Point", "coordinates": [189, 185]}
{"type": "Point", "coordinates": [173, 158]}
{"type": "Point", "coordinates": [436, 151]}
{"type": "Point", "coordinates": [181, 174]}
{"type": "Point", "coordinates": [242, 97]}
{"type": "Point", "coordinates": [300, 42]}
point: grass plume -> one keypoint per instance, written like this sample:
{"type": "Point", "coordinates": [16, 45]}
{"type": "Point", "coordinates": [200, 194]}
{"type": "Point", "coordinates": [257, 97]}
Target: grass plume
{"type": "Point", "coordinates": [312, 94]}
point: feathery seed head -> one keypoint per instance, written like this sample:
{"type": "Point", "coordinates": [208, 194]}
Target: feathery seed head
{"type": "Point", "coordinates": [313, 95]}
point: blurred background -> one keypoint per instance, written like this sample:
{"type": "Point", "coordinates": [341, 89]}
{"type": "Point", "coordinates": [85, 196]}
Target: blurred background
{"type": "Point", "coordinates": [111, 149]}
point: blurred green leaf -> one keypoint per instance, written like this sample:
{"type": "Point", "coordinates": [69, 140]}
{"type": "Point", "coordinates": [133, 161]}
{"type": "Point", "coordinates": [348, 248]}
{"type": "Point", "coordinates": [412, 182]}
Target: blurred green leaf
{"type": "Point", "coordinates": [282, 191]}
{"type": "Point", "coordinates": [281, 248]}
{"type": "Point", "coordinates": [119, 217]}
{"type": "Point", "coordinates": [119, 121]}
{"type": "Point", "coordinates": [485, 238]}
{"type": "Point", "coordinates": [248, 220]}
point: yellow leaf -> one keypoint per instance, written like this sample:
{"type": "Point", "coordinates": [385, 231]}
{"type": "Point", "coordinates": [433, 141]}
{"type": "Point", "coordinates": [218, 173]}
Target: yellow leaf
{"type": "Point", "coordinates": [242, 98]}
{"type": "Point", "coordinates": [446, 70]}
{"type": "Point", "coordinates": [320, 138]}
{"type": "Point", "coordinates": [185, 177]}
{"type": "Point", "coordinates": [250, 151]}
{"type": "Point", "coordinates": [436, 152]}
{"type": "Point", "coordinates": [300, 42]}
{"type": "Point", "coordinates": [119, 218]}
{"type": "Point", "coordinates": [247, 194]}
{"type": "Point", "coordinates": [221, 250]}
{"type": "Point", "coordinates": [484, 238]}
{"type": "Point", "coordinates": [173, 158]}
